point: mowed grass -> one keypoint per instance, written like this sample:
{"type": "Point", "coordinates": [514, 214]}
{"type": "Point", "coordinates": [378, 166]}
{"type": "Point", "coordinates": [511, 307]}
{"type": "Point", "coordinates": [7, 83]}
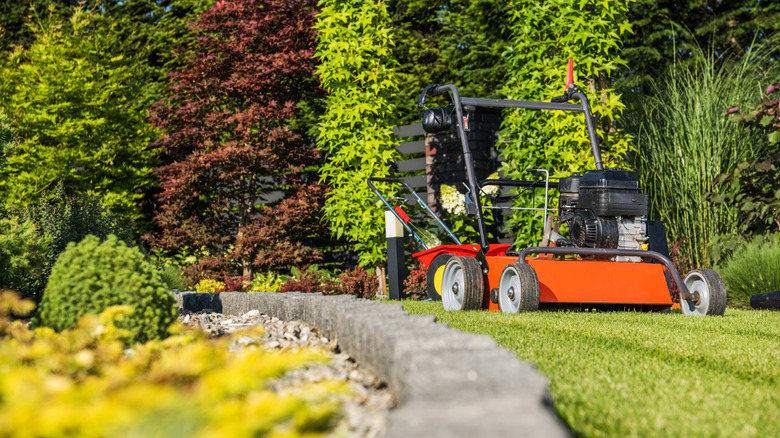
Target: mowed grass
{"type": "Point", "coordinates": [646, 374]}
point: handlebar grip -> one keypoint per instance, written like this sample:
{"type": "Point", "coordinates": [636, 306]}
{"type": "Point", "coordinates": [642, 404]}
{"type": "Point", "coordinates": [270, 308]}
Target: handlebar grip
{"type": "Point", "coordinates": [559, 99]}
{"type": "Point", "coordinates": [429, 89]}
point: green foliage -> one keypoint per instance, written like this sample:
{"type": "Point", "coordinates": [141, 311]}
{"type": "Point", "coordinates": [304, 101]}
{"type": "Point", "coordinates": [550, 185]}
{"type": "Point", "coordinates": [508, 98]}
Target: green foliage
{"type": "Point", "coordinates": [72, 95]}
{"type": "Point", "coordinates": [60, 220]}
{"type": "Point", "coordinates": [267, 282]}
{"type": "Point", "coordinates": [171, 276]}
{"type": "Point", "coordinates": [476, 33]}
{"type": "Point", "coordinates": [753, 269]}
{"type": "Point", "coordinates": [7, 137]}
{"type": "Point", "coordinates": [684, 141]}
{"type": "Point", "coordinates": [457, 42]}
{"type": "Point", "coordinates": [417, 34]}
{"type": "Point", "coordinates": [209, 286]}
{"type": "Point", "coordinates": [623, 373]}
{"type": "Point", "coordinates": [83, 382]}
{"type": "Point", "coordinates": [754, 188]}
{"type": "Point", "coordinates": [669, 31]}
{"type": "Point", "coordinates": [545, 35]}
{"type": "Point", "coordinates": [357, 70]}
{"type": "Point", "coordinates": [309, 279]}
{"type": "Point", "coordinates": [92, 275]}
{"type": "Point", "coordinates": [158, 31]}
{"type": "Point", "coordinates": [22, 256]}
{"type": "Point", "coordinates": [14, 17]}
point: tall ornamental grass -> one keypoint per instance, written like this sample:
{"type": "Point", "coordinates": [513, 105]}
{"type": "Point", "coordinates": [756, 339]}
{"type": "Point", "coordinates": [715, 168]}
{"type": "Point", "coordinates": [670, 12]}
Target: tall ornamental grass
{"type": "Point", "coordinates": [753, 269]}
{"type": "Point", "coordinates": [684, 141]}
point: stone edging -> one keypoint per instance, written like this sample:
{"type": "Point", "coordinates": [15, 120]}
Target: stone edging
{"type": "Point", "coordinates": [447, 383]}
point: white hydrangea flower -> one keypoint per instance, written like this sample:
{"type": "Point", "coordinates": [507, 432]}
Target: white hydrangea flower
{"type": "Point", "coordinates": [490, 191]}
{"type": "Point", "coordinates": [452, 200]}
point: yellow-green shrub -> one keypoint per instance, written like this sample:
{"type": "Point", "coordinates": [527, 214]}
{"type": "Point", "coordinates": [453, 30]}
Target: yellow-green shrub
{"type": "Point", "coordinates": [267, 282]}
{"type": "Point", "coordinates": [83, 382]}
{"type": "Point", "coordinates": [209, 286]}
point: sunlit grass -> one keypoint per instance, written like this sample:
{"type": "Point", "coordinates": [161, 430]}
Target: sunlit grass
{"type": "Point", "coordinates": [646, 374]}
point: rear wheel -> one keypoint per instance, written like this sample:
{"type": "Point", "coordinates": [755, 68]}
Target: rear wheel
{"type": "Point", "coordinates": [709, 291]}
{"type": "Point", "coordinates": [518, 289]}
{"type": "Point", "coordinates": [462, 284]}
{"type": "Point", "coordinates": [435, 275]}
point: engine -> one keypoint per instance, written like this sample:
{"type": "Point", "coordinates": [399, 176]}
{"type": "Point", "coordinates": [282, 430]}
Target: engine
{"type": "Point", "coordinates": [604, 209]}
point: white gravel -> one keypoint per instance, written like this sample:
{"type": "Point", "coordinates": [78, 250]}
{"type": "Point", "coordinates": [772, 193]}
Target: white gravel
{"type": "Point", "coordinates": [366, 407]}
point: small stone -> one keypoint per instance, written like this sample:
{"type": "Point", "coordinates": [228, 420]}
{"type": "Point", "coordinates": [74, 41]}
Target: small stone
{"type": "Point", "coordinates": [273, 344]}
{"type": "Point", "coordinates": [254, 313]}
{"type": "Point", "coordinates": [247, 340]}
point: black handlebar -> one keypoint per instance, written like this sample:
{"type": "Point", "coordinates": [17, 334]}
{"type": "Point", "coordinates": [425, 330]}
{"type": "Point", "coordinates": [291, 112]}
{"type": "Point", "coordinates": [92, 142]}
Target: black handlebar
{"type": "Point", "coordinates": [429, 89]}
{"type": "Point", "coordinates": [559, 99]}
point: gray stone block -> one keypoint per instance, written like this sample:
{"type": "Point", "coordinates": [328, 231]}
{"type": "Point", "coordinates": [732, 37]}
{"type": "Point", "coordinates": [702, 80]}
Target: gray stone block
{"type": "Point", "coordinates": [501, 416]}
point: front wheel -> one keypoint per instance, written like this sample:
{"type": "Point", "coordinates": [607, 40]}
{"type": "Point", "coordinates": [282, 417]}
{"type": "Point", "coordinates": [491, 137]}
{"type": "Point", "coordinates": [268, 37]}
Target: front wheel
{"type": "Point", "coordinates": [462, 284]}
{"type": "Point", "coordinates": [709, 291]}
{"type": "Point", "coordinates": [518, 289]}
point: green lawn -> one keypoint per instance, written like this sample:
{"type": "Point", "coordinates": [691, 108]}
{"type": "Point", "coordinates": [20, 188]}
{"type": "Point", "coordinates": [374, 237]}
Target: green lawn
{"type": "Point", "coordinates": [646, 374]}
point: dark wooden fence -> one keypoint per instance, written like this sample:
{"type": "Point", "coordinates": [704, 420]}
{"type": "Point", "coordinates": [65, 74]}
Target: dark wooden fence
{"type": "Point", "coordinates": [428, 161]}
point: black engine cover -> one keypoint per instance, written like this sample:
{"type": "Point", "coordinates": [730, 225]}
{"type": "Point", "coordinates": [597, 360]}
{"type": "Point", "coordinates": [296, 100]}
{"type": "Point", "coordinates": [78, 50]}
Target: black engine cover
{"type": "Point", "coordinates": [612, 192]}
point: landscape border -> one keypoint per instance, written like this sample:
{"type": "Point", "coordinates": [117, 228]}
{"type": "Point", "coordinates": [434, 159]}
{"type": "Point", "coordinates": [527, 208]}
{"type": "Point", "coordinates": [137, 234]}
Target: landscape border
{"type": "Point", "coordinates": [447, 383]}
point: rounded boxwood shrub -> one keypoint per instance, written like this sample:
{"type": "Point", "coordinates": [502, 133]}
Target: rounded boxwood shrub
{"type": "Point", "coordinates": [92, 275]}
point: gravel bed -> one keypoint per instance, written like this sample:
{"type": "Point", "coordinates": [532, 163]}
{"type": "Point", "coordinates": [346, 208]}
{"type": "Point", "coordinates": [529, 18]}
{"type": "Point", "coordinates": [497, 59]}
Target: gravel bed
{"type": "Point", "coordinates": [366, 407]}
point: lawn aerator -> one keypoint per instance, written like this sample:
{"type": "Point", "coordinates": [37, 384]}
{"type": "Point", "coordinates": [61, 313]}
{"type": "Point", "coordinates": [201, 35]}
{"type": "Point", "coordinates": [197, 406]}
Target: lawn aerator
{"type": "Point", "coordinates": [613, 257]}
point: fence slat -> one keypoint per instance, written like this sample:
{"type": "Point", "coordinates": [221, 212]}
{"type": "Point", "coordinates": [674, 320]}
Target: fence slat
{"type": "Point", "coordinates": [411, 147]}
{"type": "Point", "coordinates": [408, 130]}
{"type": "Point", "coordinates": [416, 181]}
{"type": "Point", "coordinates": [411, 165]}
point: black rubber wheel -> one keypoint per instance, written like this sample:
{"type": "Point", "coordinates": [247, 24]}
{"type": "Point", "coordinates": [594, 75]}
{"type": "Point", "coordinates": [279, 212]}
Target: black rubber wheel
{"type": "Point", "coordinates": [518, 289]}
{"type": "Point", "coordinates": [435, 273]}
{"type": "Point", "coordinates": [462, 284]}
{"type": "Point", "coordinates": [711, 291]}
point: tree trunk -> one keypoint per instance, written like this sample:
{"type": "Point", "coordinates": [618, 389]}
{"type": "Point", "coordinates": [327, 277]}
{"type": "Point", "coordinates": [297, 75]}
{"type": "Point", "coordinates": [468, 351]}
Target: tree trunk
{"type": "Point", "coordinates": [609, 124]}
{"type": "Point", "coordinates": [247, 275]}
{"type": "Point", "coordinates": [246, 264]}
{"type": "Point", "coordinates": [381, 275]}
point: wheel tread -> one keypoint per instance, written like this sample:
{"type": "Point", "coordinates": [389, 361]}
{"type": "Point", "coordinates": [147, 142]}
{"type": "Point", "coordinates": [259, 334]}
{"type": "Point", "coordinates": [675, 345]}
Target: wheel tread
{"type": "Point", "coordinates": [473, 283]}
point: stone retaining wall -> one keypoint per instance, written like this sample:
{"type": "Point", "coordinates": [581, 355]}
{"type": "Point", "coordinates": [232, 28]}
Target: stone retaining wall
{"type": "Point", "coordinates": [447, 383]}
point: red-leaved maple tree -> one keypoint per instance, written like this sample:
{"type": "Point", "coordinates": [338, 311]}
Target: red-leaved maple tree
{"type": "Point", "coordinates": [228, 146]}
